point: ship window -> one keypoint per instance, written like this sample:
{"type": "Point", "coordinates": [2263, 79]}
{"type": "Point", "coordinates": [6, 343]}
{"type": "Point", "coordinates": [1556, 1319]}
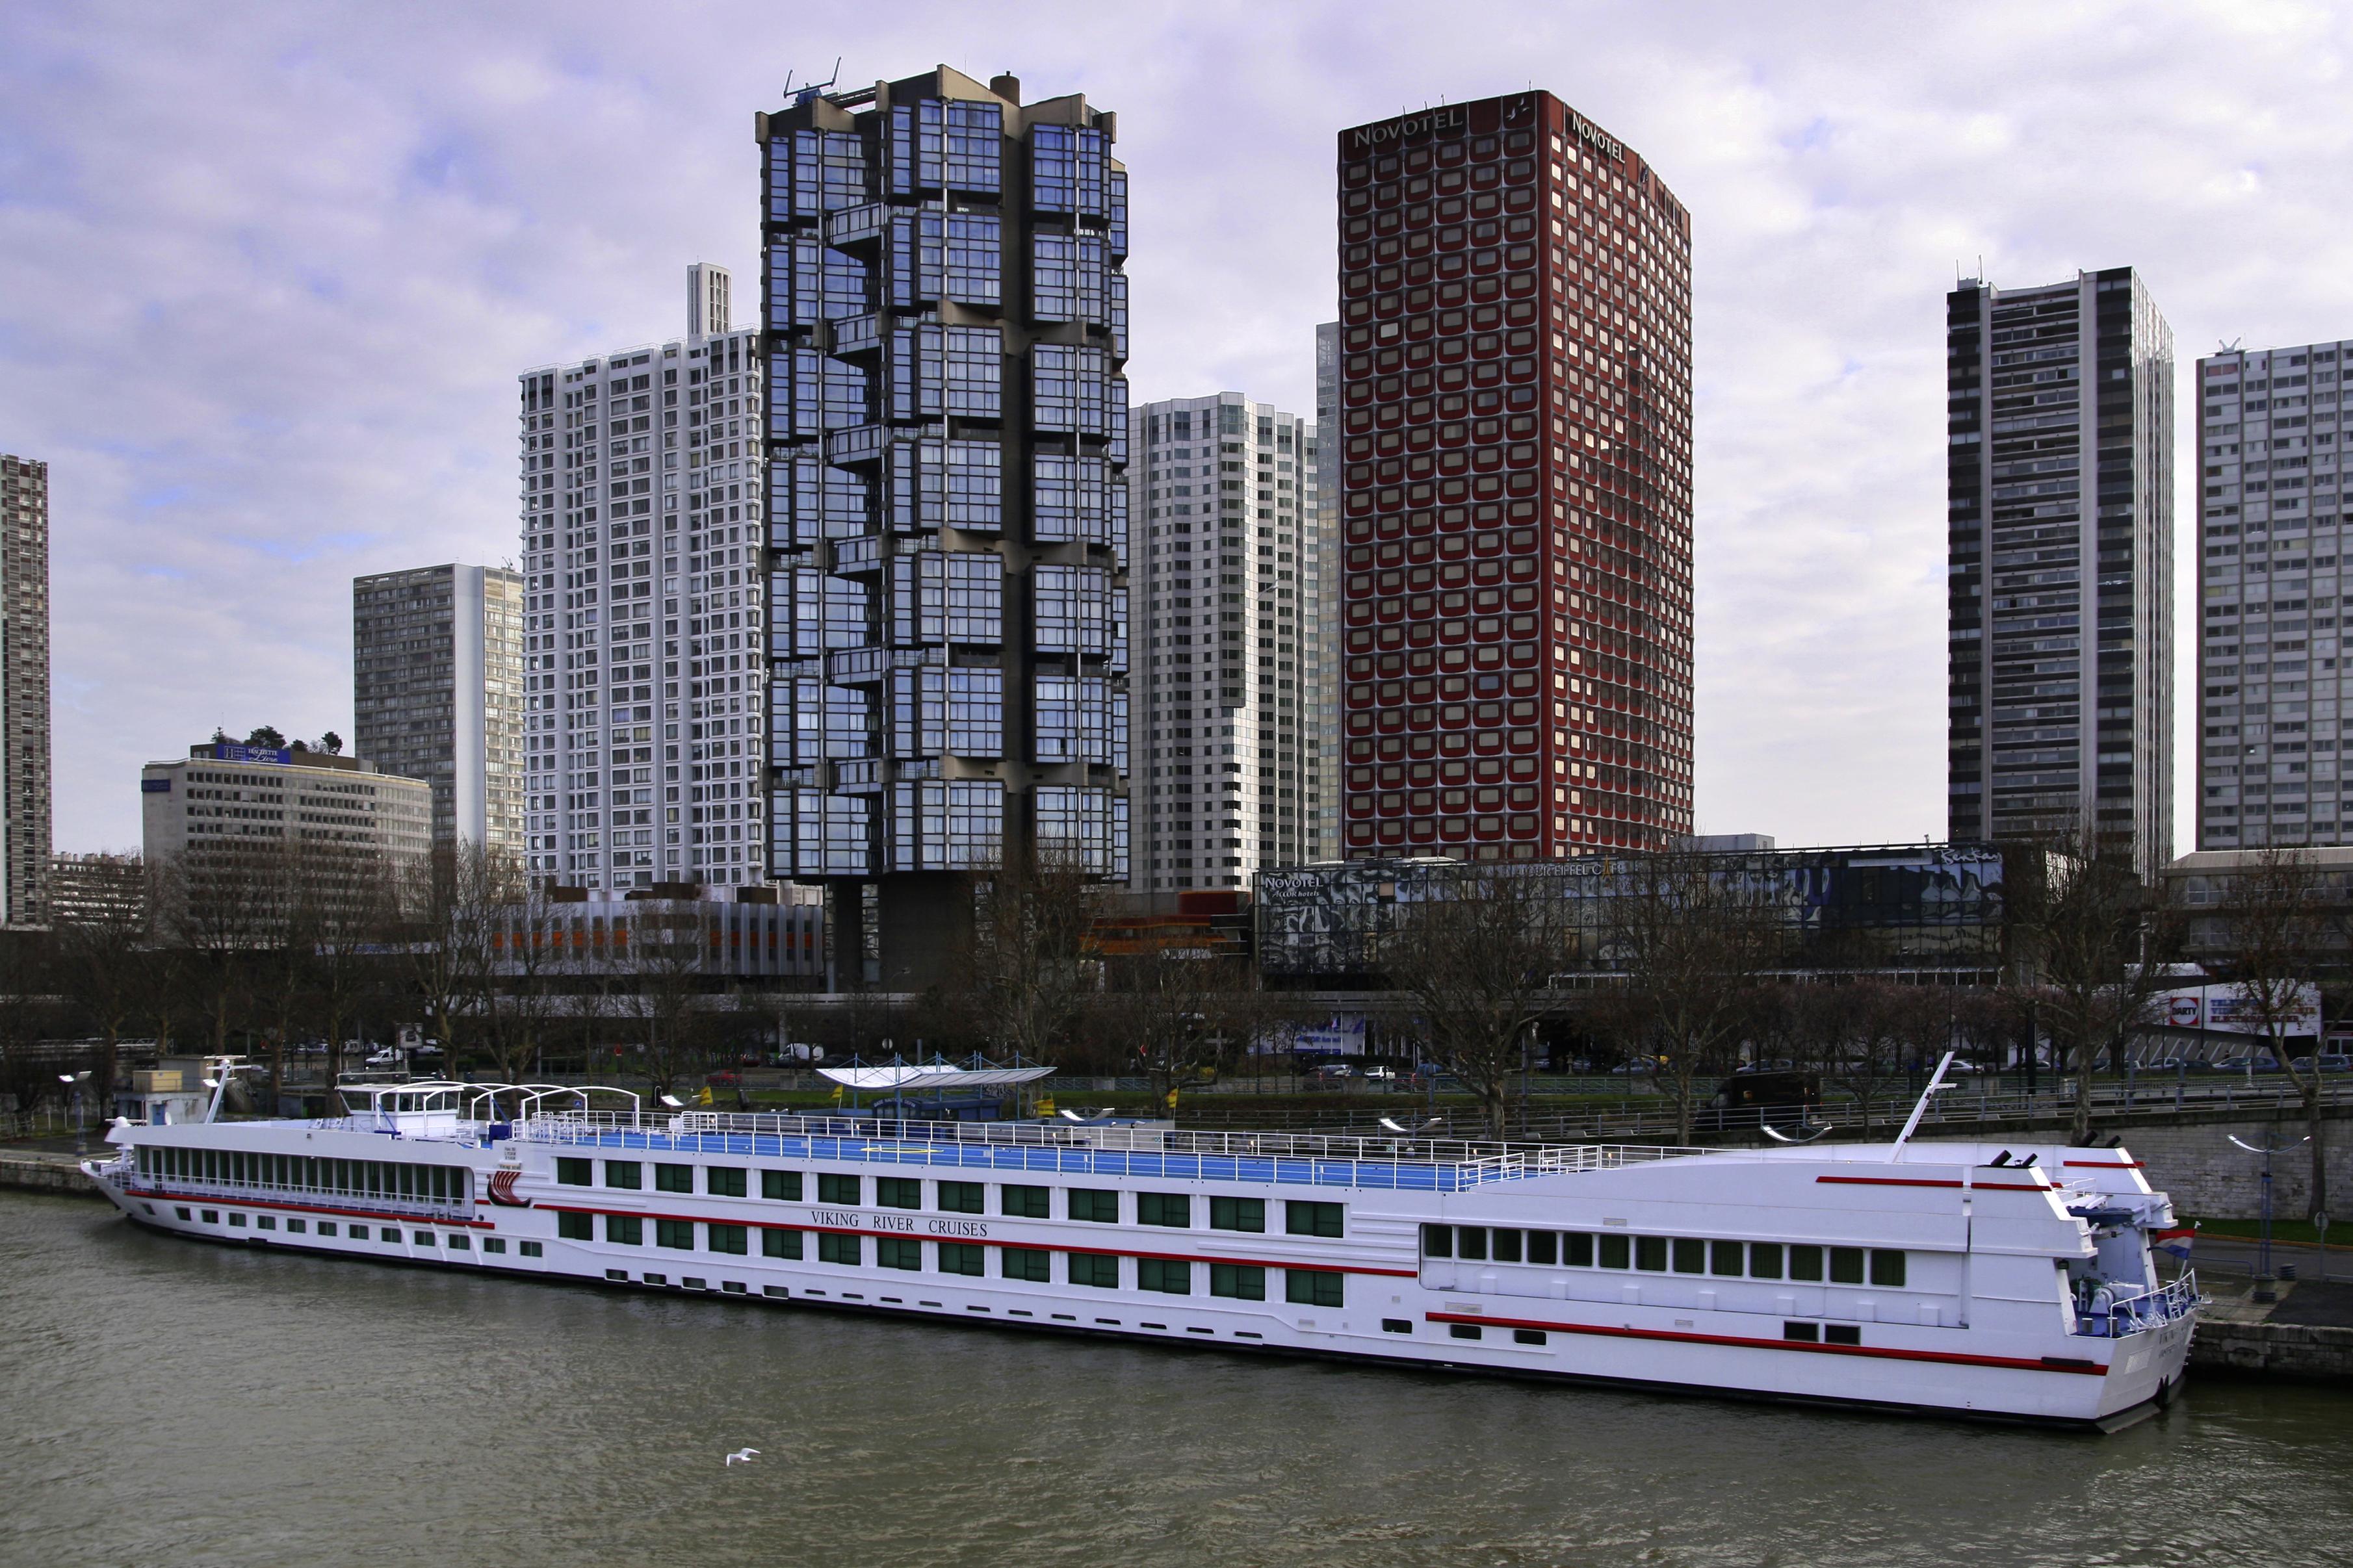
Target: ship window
{"type": "Point", "coordinates": [1026, 1262]}
{"type": "Point", "coordinates": [1249, 1213]}
{"type": "Point", "coordinates": [421, 1237]}
{"type": "Point", "coordinates": [780, 1244]}
{"type": "Point", "coordinates": [674, 1178]}
{"type": "Point", "coordinates": [388, 1233]}
{"type": "Point", "coordinates": [1438, 1241]}
{"type": "Point", "coordinates": [1470, 1242]}
{"type": "Point", "coordinates": [838, 1189]}
{"type": "Point", "coordinates": [1505, 1245]}
{"type": "Point", "coordinates": [1651, 1253]}
{"type": "Point", "coordinates": [1527, 1336]}
{"type": "Point", "coordinates": [1691, 1255]}
{"type": "Point", "coordinates": [724, 1181]}
{"type": "Point", "coordinates": [326, 1226]}
{"type": "Point", "coordinates": [898, 1252]}
{"type": "Point", "coordinates": [964, 1197]}
{"type": "Point", "coordinates": [1846, 1266]}
{"type": "Point", "coordinates": [1099, 1206]}
{"type": "Point", "coordinates": [296, 1226]}
{"type": "Point", "coordinates": [1170, 1276]}
{"type": "Point", "coordinates": [1171, 1209]}
{"type": "Point", "coordinates": [832, 1247]}
{"type": "Point", "coordinates": [1841, 1334]}
{"type": "Point", "coordinates": [1242, 1281]}
{"type": "Point", "coordinates": [1576, 1249]}
{"type": "Point", "coordinates": [1087, 1268]}
{"type": "Point", "coordinates": [962, 1257]}
{"type": "Point", "coordinates": [732, 1238]}
{"type": "Point", "coordinates": [1805, 1333]}
{"type": "Point", "coordinates": [1805, 1263]}
{"type": "Point", "coordinates": [1887, 1269]}
{"type": "Point", "coordinates": [1311, 1219]}
{"type": "Point", "coordinates": [1397, 1326]}
{"type": "Point", "coordinates": [237, 1220]}
{"type": "Point", "coordinates": [1311, 1286]}
{"type": "Point", "coordinates": [531, 1248]}
{"type": "Point", "coordinates": [1465, 1331]}
{"type": "Point", "coordinates": [898, 1192]}
{"type": "Point", "coordinates": [570, 1227]}
{"type": "Point", "coordinates": [1027, 1203]}
{"type": "Point", "coordinates": [461, 1244]}
{"type": "Point", "coordinates": [1615, 1251]}
{"type": "Point", "coordinates": [675, 1233]}
{"type": "Point", "coordinates": [1765, 1259]}
{"type": "Point", "coordinates": [785, 1186]}
{"type": "Point", "coordinates": [265, 1222]}
{"type": "Point", "coordinates": [625, 1230]}
{"type": "Point", "coordinates": [1541, 1247]}
{"type": "Point", "coordinates": [494, 1243]}
{"type": "Point", "coordinates": [626, 1173]}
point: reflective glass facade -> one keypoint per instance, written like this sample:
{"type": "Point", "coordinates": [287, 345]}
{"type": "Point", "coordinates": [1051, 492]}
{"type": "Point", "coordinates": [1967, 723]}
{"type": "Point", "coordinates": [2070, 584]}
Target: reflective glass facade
{"type": "Point", "coordinates": [1514, 455]}
{"type": "Point", "coordinates": [946, 531]}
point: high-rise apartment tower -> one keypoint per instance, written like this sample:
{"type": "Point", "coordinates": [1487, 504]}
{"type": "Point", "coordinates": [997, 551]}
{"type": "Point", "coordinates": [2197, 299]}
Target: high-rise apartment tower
{"type": "Point", "coordinates": [1514, 380]}
{"type": "Point", "coordinates": [1326, 555]}
{"type": "Point", "coordinates": [436, 693]}
{"type": "Point", "coordinates": [2060, 494]}
{"type": "Point", "coordinates": [2271, 511]}
{"type": "Point", "coordinates": [24, 691]}
{"type": "Point", "coordinates": [1221, 494]}
{"type": "Point", "coordinates": [947, 430]}
{"type": "Point", "coordinates": [645, 716]}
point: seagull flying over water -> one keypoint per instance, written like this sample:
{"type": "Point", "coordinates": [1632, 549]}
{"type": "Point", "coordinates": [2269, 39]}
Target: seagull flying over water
{"type": "Point", "coordinates": [744, 1454]}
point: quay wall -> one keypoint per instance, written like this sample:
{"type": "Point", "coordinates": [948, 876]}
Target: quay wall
{"type": "Point", "coordinates": [45, 1173]}
{"type": "Point", "coordinates": [2288, 1352]}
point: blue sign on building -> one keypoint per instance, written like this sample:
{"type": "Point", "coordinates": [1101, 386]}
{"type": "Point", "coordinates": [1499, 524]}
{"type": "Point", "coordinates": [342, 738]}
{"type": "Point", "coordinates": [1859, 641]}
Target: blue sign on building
{"type": "Point", "coordinates": [229, 753]}
{"type": "Point", "coordinates": [156, 786]}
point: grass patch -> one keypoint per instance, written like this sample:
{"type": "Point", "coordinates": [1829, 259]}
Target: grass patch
{"type": "Point", "coordinates": [2289, 1230]}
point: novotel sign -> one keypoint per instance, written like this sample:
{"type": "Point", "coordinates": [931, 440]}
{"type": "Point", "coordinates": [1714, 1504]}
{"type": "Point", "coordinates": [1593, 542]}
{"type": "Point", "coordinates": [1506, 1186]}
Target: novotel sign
{"type": "Point", "coordinates": [1428, 122]}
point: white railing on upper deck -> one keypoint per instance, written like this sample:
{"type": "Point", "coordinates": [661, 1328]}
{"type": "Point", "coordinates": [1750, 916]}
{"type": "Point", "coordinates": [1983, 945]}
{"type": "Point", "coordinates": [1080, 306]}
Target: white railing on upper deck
{"type": "Point", "coordinates": [1472, 1161]}
{"type": "Point", "coordinates": [2138, 1314]}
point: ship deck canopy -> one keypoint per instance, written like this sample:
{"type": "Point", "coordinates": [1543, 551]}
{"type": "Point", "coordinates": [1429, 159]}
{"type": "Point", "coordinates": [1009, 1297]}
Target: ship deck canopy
{"type": "Point", "coordinates": [939, 1077]}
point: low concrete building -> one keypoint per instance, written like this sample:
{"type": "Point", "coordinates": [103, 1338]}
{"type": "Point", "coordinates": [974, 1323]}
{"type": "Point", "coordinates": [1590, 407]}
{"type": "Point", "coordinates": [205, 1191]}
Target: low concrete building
{"type": "Point", "coordinates": [225, 797]}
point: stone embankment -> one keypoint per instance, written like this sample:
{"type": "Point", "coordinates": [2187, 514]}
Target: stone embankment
{"type": "Point", "coordinates": [2307, 1336]}
{"type": "Point", "coordinates": [45, 1173]}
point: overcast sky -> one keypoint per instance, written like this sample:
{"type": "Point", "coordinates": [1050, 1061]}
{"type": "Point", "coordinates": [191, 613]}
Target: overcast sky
{"type": "Point", "coordinates": [268, 273]}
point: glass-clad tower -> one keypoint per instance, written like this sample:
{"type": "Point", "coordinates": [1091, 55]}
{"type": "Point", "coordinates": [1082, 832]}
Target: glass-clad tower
{"type": "Point", "coordinates": [947, 520]}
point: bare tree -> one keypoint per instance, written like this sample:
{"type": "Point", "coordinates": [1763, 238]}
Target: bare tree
{"type": "Point", "coordinates": [2274, 930]}
{"type": "Point", "coordinates": [656, 960]}
{"type": "Point", "coordinates": [1180, 1014]}
{"type": "Point", "coordinates": [1472, 959]}
{"type": "Point", "coordinates": [1866, 1034]}
{"type": "Point", "coordinates": [2092, 938]}
{"type": "Point", "coordinates": [527, 963]}
{"type": "Point", "coordinates": [104, 956]}
{"type": "Point", "coordinates": [1029, 971]}
{"type": "Point", "coordinates": [1691, 933]}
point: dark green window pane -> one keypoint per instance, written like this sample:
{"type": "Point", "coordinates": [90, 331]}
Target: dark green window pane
{"type": "Point", "coordinates": [785, 1186]}
{"type": "Point", "coordinates": [1242, 1281]}
{"type": "Point", "coordinates": [1311, 1286]}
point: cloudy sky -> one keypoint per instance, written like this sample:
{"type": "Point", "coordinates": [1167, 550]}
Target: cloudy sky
{"type": "Point", "coordinates": [268, 272]}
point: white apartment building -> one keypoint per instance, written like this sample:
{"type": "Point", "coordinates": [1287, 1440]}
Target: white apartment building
{"type": "Point", "coordinates": [224, 797]}
{"type": "Point", "coordinates": [436, 693]}
{"type": "Point", "coordinates": [24, 691]}
{"type": "Point", "coordinates": [644, 744]}
{"type": "Point", "coordinates": [2273, 718]}
{"type": "Point", "coordinates": [1222, 708]}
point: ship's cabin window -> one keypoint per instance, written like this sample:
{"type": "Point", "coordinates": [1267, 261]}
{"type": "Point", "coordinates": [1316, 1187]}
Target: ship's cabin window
{"type": "Point", "coordinates": [570, 1227]}
{"type": "Point", "coordinates": [494, 1244]}
{"type": "Point", "coordinates": [1103, 1207]}
{"type": "Point", "coordinates": [1025, 1202]}
{"type": "Point", "coordinates": [1312, 1219]}
{"type": "Point", "coordinates": [1312, 1286]}
{"type": "Point", "coordinates": [326, 1227]}
{"type": "Point", "coordinates": [461, 1244]}
{"type": "Point", "coordinates": [573, 1172]}
{"type": "Point", "coordinates": [674, 1178]}
{"type": "Point", "coordinates": [676, 1234]}
{"type": "Point", "coordinates": [1242, 1281]}
{"type": "Point", "coordinates": [785, 1186]}
{"type": "Point", "coordinates": [626, 1173]}
{"type": "Point", "coordinates": [529, 1248]}
{"type": "Point", "coordinates": [833, 1189]}
{"type": "Point", "coordinates": [298, 1225]}
{"type": "Point", "coordinates": [963, 1257]}
{"type": "Point", "coordinates": [898, 1192]}
{"type": "Point", "coordinates": [1174, 1210]}
{"type": "Point", "coordinates": [730, 1239]}
{"type": "Point", "coordinates": [964, 1197]}
{"type": "Point", "coordinates": [1028, 1263]}
{"type": "Point", "coordinates": [1241, 1213]}
{"type": "Point", "coordinates": [1088, 1268]}
{"type": "Point", "coordinates": [724, 1181]}
{"type": "Point", "coordinates": [780, 1244]}
{"type": "Point", "coordinates": [1885, 1268]}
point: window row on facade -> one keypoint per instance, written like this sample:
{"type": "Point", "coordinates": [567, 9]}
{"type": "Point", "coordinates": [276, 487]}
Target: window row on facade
{"type": "Point", "coordinates": [1802, 1262]}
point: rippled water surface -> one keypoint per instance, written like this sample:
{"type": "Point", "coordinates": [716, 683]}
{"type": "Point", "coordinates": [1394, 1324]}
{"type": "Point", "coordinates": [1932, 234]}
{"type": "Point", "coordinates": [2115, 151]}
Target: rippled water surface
{"type": "Point", "coordinates": [170, 1402]}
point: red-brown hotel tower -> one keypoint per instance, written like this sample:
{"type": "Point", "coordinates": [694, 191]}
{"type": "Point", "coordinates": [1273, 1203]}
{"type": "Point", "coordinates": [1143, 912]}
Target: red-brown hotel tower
{"type": "Point", "coordinates": [1516, 407]}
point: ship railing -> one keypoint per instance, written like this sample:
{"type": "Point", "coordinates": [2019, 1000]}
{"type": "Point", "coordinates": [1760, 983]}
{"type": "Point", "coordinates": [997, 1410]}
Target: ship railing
{"type": "Point", "coordinates": [2130, 1315]}
{"type": "Point", "coordinates": [910, 1141]}
{"type": "Point", "coordinates": [226, 1191]}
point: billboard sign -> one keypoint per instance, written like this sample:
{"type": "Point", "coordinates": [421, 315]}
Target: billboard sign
{"type": "Point", "coordinates": [231, 753]}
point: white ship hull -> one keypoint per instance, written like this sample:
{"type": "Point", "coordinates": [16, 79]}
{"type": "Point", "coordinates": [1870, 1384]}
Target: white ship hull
{"type": "Point", "coordinates": [1940, 1284]}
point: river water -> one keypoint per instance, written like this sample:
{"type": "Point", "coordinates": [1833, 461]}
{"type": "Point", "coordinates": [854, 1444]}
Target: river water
{"type": "Point", "coordinates": [170, 1402]}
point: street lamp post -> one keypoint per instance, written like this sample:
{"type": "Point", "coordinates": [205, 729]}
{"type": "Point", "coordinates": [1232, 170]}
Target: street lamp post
{"type": "Point", "coordinates": [75, 1080]}
{"type": "Point", "coordinates": [2263, 1290]}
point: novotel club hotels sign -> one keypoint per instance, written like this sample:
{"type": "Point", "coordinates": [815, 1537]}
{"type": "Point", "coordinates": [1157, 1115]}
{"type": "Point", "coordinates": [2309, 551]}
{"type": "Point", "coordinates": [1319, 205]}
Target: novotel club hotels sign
{"type": "Point", "coordinates": [1454, 119]}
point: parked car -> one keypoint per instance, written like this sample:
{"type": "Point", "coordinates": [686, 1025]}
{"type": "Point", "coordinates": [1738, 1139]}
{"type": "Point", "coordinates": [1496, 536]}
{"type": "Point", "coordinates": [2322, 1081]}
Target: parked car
{"type": "Point", "coordinates": [387, 1057]}
{"type": "Point", "coordinates": [1382, 1075]}
{"type": "Point", "coordinates": [1333, 1069]}
{"type": "Point", "coordinates": [2333, 1062]}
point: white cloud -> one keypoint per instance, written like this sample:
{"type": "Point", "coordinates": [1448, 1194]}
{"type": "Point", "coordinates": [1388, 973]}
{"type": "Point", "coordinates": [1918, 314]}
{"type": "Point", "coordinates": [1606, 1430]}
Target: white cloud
{"type": "Point", "coordinates": [268, 272]}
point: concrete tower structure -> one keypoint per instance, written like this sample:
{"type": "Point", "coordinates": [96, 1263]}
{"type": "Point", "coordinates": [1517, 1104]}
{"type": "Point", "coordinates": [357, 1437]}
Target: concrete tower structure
{"type": "Point", "coordinates": [24, 691]}
{"type": "Point", "coordinates": [436, 693]}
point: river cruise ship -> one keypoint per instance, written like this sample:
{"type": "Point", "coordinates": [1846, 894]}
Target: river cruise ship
{"type": "Point", "coordinates": [2013, 1281]}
